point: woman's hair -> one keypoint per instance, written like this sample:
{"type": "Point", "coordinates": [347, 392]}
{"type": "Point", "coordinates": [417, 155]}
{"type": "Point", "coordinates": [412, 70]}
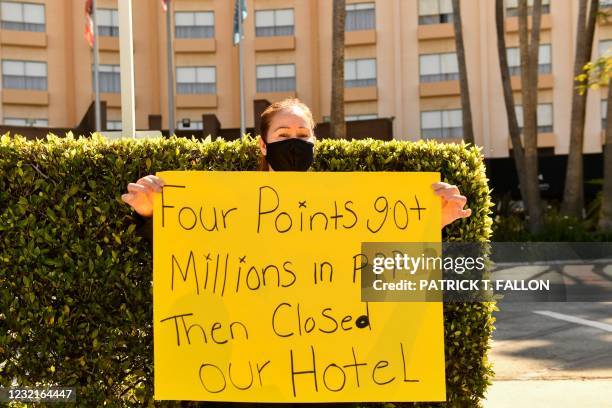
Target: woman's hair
{"type": "Point", "coordinates": [272, 110]}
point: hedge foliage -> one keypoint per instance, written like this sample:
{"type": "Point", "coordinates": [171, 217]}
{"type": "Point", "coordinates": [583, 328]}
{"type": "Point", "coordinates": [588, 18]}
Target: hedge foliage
{"type": "Point", "coordinates": [75, 279]}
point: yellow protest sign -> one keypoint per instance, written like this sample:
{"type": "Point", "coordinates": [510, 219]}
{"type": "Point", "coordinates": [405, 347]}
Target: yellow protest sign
{"type": "Point", "coordinates": [256, 288]}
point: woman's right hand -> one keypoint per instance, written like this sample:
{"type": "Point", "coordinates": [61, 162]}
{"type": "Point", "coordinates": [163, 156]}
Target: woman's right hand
{"type": "Point", "coordinates": [140, 194]}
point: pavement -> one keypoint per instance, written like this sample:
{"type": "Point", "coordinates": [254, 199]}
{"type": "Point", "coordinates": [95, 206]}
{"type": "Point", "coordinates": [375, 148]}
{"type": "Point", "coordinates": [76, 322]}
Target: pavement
{"type": "Point", "coordinates": [552, 355]}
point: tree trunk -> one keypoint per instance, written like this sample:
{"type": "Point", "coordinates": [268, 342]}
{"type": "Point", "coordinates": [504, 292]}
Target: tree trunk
{"type": "Point", "coordinates": [529, 50]}
{"type": "Point", "coordinates": [573, 199]}
{"type": "Point", "coordinates": [466, 106]}
{"type": "Point", "coordinates": [337, 125]}
{"type": "Point", "coordinates": [513, 127]}
{"type": "Point", "coordinates": [605, 215]}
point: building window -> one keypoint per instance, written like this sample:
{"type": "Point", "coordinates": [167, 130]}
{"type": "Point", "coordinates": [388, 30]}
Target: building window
{"type": "Point", "coordinates": [512, 7]}
{"type": "Point", "coordinates": [108, 22]}
{"type": "Point", "coordinates": [360, 73]}
{"type": "Point", "coordinates": [544, 60]}
{"type": "Point", "coordinates": [109, 77]}
{"type": "Point", "coordinates": [271, 23]}
{"type": "Point", "coordinates": [26, 122]}
{"type": "Point", "coordinates": [545, 117]}
{"type": "Point", "coordinates": [604, 114]}
{"type": "Point", "coordinates": [442, 124]}
{"type": "Point", "coordinates": [368, 116]}
{"type": "Point", "coordinates": [438, 67]}
{"type": "Point", "coordinates": [196, 80]}
{"type": "Point", "coordinates": [352, 118]}
{"type": "Point", "coordinates": [189, 125]}
{"type": "Point", "coordinates": [24, 75]}
{"type": "Point", "coordinates": [605, 46]}
{"type": "Point", "coordinates": [23, 16]}
{"type": "Point", "coordinates": [276, 78]}
{"type": "Point", "coordinates": [113, 125]}
{"type": "Point", "coordinates": [435, 12]}
{"type": "Point", "coordinates": [360, 16]}
{"type": "Point", "coordinates": [194, 24]}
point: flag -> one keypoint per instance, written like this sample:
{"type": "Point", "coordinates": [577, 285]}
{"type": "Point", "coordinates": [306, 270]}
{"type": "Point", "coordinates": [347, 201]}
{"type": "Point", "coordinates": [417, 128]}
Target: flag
{"type": "Point", "coordinates": [89, 26]}
{"type": "Point", "coordinates": [236, 22]}
{"type": "Point", "coordinates": [164, 4]}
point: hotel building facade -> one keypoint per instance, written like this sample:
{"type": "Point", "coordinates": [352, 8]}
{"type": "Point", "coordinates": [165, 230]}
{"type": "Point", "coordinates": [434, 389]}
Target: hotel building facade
{"type": "Point", "coordinates": [400, 64]}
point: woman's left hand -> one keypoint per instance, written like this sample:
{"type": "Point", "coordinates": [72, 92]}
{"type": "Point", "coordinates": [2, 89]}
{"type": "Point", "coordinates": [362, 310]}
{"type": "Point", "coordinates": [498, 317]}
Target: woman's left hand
{"type": "Point", "coordinates": [452, 203]}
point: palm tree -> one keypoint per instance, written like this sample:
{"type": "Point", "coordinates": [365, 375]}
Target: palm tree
{"type": "Point", "coordinates": [337, 125]}
{"type": "Point", "coordinates": [605, 214]}
{"type": "Point", "coordinates": [529, 50]}
{"type": "Point", "coordinates": [466, 107]}
{"type": "Point", "coordinates": [585, 31]}
{"type": "Point", "coordinates": [515, 131]}
{"type": "Point", "coordinates": [598, 74]}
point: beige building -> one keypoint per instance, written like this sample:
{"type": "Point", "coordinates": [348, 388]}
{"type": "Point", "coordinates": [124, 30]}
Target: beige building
{"type": "Point", "coordinates": [400, 63]}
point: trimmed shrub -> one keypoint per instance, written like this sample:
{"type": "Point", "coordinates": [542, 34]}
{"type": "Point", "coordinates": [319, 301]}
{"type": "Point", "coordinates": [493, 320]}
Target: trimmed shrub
{"type": "Point", "coordinates": [75, 279]}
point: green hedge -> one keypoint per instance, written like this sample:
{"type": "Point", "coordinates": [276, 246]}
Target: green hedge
{"type": "Point", "coordinates": [75, 279]}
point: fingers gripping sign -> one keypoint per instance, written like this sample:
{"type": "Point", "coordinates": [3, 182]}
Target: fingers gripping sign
{"type": "Point", "coordinates": [453, 202]}
{"type": "Point", "coordinates": [140, 194]}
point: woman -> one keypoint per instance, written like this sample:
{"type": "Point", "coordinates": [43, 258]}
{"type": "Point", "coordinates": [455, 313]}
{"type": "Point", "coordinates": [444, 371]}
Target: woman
{"type": "Point", "coordinates": [287, 143]}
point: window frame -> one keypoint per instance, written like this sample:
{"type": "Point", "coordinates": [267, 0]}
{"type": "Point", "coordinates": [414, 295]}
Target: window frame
{"type": "Point", "coordinates": [354, 8]}
{"type": "Point", "coordinates": [515, 70]}
{"type": "Point", "coordinates": [186, 31]}
{"type": "Point", "coordinates": [275, 30]}
{"type": "Point", "coordinates": [360, 82]}
{"type": "Point", "coordinates": [512, 11]}
{"type": "Point", "coordinates": [542, 127]}
{"type": "Point", "coordinates": [437, 18]}
{"type": "Point", "coordinates": [24, 25]}
{"type": "Point", "coordinates": [196, 87]}
{"type": "Point", "coordinates": [604, 41]}
{"type": "Point", "coordinates": [199, 125]}
{"type": "Point", "coordinates": [114, 123]}
{"type": "Point", "coordinates": [275, 84]}
{"type": "Point", "coordinates": [25, 122]}
{"type": "Point", "coordinates": [440, 76]}
{"type": "Point", "coordinates": [108, 30]}
{"type": "Point", "coordinates": [442, 132]}
{"type": "Point", "coordinates": [104, 71]}
{"type": "Point", "coordinates": [44, 80]}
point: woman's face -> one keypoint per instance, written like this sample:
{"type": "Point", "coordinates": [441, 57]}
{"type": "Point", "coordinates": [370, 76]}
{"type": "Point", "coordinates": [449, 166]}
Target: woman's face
{"type": "Point", "coordinates": [287, 124]}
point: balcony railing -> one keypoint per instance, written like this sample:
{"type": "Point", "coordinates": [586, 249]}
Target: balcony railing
{"type": "Point", "coordinates": [436, 19]}
{"type": "Point", "coordinates": [108, 31]}
{"type": "Point", "coordinates": [276, 84]}
{"type": "Point", "coordinates": [443, 133]}
{"type": "Point", "coordinates": [542, 69]}
{"type": "Point", "coordinates": [451, 76]}
{"type": "Point", "coordinates": [24, 82]}
{"type": "Point", "coordinates": [196, 88]}
{"type": "Point", "coordinates": [195, 31]}
{"type": "Point", "coordinates": [20, 26]}
{"type": "Point", "coordinates": [359, 83]}
{"type": "Point", "coordinates": [274, 31]}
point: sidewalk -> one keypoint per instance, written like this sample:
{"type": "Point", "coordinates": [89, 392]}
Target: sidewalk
{"type": "Point", "coordinates": [589, 393]}
{"type": "Point", "coordinates": [556, 355]}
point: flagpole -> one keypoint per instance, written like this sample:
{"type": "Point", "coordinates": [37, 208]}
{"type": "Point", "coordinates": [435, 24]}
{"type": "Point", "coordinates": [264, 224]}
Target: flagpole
{"type": "Point", "coordinates": [241, 69]}
{"type": "Point", "coordinates": [170, 52]}
{"type": "Point", "coordinates": [126, 59]}
{"type": "Point", "coordinates": [96, 58]}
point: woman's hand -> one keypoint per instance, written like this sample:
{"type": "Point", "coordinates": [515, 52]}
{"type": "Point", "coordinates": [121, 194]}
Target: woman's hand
{"type": "Point", "coordinates": [140, 194]}
{"type": "Point", "coordinates": [452, 203]}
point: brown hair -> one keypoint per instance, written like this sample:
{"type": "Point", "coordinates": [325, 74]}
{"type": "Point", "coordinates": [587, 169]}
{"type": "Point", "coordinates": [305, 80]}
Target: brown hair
{"type": "Point", "coordinates": [271, 111]}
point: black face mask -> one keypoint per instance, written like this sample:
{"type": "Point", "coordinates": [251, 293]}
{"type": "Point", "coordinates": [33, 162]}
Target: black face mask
{"type": "Point", "coordinates": [290, 155]}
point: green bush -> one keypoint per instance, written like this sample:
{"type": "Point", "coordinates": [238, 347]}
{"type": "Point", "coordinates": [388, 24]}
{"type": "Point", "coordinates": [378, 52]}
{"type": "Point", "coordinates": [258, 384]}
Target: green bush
{"type": "Point", "coordinates": [556, 227]}
{"type": "Point", "coordinates": [75, 279]}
